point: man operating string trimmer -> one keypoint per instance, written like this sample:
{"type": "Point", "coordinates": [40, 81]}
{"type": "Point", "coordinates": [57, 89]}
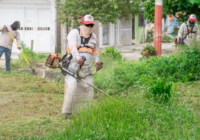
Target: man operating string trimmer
{"type": "Point", "coordinates": [82, 44]}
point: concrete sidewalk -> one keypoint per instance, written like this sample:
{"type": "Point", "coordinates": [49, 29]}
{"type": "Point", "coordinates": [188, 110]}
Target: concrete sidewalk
{"type": "Point", "coordinates": [132, 52]}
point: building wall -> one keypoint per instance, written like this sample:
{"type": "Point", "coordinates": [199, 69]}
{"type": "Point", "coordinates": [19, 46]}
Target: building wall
{"type": "Point", "coordinates": [139, 31]}
{"type": "Point", "coordinates": [126, 31]}
{"type": "Point", "coordinates": [37, 22]}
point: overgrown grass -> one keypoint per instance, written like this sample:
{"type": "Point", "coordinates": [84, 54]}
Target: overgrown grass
{"type": "Point", "coordinates": [183, 66]}
{"type": "Point", "coordinates": [112, 52]}
{"type": "Point", "coordinates": [133, 115]}
{"type": "Point", "coordinates": [31, 56]}
{"type": "Point", "coordinates": [134, 119]}
{"type": "Point", "coordinates": [167, 39]}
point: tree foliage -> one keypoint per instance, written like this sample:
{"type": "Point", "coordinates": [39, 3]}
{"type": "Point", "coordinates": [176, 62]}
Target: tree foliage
{"type": "Point", "coordinates": [187, 7]}
{"type": "Point", "coordinates": [105, 11]}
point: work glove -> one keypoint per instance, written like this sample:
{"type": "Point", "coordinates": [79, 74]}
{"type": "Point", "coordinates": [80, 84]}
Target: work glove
{"type": "Point", "coordinates": [81, 62]}
{"type": "Point", "coordinates": [97, 64]}
{"type": "Point", "coordinates": [4, 27]}
{"type": "Point", "coordinates": [176, 40]}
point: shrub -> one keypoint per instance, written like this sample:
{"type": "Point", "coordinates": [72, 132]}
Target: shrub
{"type": "Point", "coordinates": [112, 52]}
{"type": "Point", "coordinates": [150, 34]}
{"type": "Point", "coordinates": [30, 55]}
{"type": "Point", "coordinates": [124, 76]}
{"type": "Point", "coordinates": [148, 50]}
{"type": "Point", "coordinates": [175, 31]}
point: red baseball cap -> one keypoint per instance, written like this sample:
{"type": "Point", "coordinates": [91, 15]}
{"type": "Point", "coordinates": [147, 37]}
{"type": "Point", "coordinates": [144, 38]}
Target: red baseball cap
{"type": "Point", "coordinates": [88, 19]}
{"type": "Point", "coordinates": [192, 17]}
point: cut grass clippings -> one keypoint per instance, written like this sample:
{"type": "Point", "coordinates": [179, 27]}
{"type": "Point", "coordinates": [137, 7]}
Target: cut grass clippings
{"type": "Point", "coordinates": [29, 106]}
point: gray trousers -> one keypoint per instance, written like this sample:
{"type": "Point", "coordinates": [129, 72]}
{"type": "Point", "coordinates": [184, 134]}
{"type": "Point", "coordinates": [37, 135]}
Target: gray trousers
{"type": "Point", "coordinates": [77, 94]}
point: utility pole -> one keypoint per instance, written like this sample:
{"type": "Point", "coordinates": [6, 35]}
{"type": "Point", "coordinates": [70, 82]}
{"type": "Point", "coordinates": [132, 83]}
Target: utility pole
{"type": "Point", "coordinates": [63, 36]}
{"type": "Point", "coordinates": [158, 26]}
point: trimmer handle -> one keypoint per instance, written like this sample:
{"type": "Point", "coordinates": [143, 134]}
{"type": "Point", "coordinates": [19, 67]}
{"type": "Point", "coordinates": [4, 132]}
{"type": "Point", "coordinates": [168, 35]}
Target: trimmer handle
{"type": "Point", "coordinates": [101, 64]}
{"type": "Point", "coordinates": [84, 59]}
{"type": "Point", "coordinates": [63, 57]}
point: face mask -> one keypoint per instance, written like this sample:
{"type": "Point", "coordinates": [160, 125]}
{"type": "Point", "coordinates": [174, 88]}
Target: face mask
{"type": "Point", "coordinates": [85, 31]}
{"type": "Point", "coordinates": [13, 27]}
{"type": "Point", "coordinates": [191, 24]}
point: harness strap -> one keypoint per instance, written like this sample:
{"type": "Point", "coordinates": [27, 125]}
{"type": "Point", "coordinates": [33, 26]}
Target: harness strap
{"type": "Point", "coordinates": [188, 31]}
{"type": "Point", "coordinates": [86, 39]}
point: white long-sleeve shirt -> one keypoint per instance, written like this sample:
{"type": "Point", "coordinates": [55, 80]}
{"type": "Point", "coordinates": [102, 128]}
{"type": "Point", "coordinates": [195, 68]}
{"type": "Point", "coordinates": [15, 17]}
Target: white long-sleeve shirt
{"type": "Point", "coordinates": [5, 39]}
{"type": "Point", "coordinates": [75, 39]}
{"type": "Point", "coordinates": [183, 31]}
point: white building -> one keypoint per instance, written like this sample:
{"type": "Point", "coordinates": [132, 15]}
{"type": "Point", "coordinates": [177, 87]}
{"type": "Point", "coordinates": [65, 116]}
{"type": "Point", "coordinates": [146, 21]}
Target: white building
{"type": "Point", "coordinates": [115, 34]}
{"type": "Point", "coordinates": [38, 22]}
{"type": "Point", "coordinates": [38, 25]}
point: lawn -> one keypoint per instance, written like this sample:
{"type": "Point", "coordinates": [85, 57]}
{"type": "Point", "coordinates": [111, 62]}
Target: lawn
{"type": "Point", "coordinates": [31, 106]}
{"type": "Point", "coordinates": [33, 113]}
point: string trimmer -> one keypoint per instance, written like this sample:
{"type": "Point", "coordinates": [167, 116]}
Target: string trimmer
{"type": "Point", "coordinates": [53, 62]}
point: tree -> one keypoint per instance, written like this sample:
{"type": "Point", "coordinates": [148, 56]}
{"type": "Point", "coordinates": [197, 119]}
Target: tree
{"type": "Point", "coordinates": [105, 11]}
{"type": "Point", "coordinates": [186, 7]}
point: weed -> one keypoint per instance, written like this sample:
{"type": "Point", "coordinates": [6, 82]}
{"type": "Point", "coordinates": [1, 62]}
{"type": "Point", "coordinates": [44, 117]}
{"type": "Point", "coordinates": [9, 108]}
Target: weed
{"type": "Point", "coordinates": [167, 39]}
{"type": "Point", "coordinates": [112, 52]}
{"type": "Point", "coordinates": [30, 55]}
{"type": "Point", "coordinates": [161, 90]}
{"type": "Point", "coordinates": [183, 66]}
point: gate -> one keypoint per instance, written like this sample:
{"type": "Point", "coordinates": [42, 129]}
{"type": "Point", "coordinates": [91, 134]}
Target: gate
{"type": "Point", "coordinates": [35, 21]}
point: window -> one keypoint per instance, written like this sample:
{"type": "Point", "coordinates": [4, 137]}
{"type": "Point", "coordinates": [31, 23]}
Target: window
{"type": "Point", "coordinates": [141, 20]}
{"type": "Point", "coordinates": [28, 28]}
{"type": "Point", "coordinates": [44, 28]}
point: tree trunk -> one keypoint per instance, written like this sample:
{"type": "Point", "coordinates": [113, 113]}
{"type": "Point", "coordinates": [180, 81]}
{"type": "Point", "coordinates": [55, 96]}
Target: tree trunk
{"type": "Point", "coordinates": [63, 36]}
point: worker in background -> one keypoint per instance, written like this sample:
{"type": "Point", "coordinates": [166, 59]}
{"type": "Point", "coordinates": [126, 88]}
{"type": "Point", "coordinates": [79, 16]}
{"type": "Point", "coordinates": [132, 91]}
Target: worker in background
{"type": "Point", "coordinates": [188, 31]}
{"type": "Point", "coordinates": [6, 41]}
{"type": "Point", "coordinates": [82, 42]}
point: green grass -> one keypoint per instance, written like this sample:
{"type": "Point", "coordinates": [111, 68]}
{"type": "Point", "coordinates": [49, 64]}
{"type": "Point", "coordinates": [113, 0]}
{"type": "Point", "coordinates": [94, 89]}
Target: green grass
{"type": "Point", "coordinates": [134, 117]}
{"type": "Point", "coordinates": [135, 114]}
{"type": "Point", "coordinates": [31, 56]}
{"type": "Point", "coordinates": [29, 105]}
{"type": "Point", "coordinates": [167, 39]}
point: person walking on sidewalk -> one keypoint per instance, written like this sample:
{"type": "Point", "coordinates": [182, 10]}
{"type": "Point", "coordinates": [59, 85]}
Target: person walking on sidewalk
{"type": "Point", "coordinates": [81, 42]}
{"type": "Point", "coordinates": [188, 31]}
{"type": "Point", "coordinates": [6, 41]}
